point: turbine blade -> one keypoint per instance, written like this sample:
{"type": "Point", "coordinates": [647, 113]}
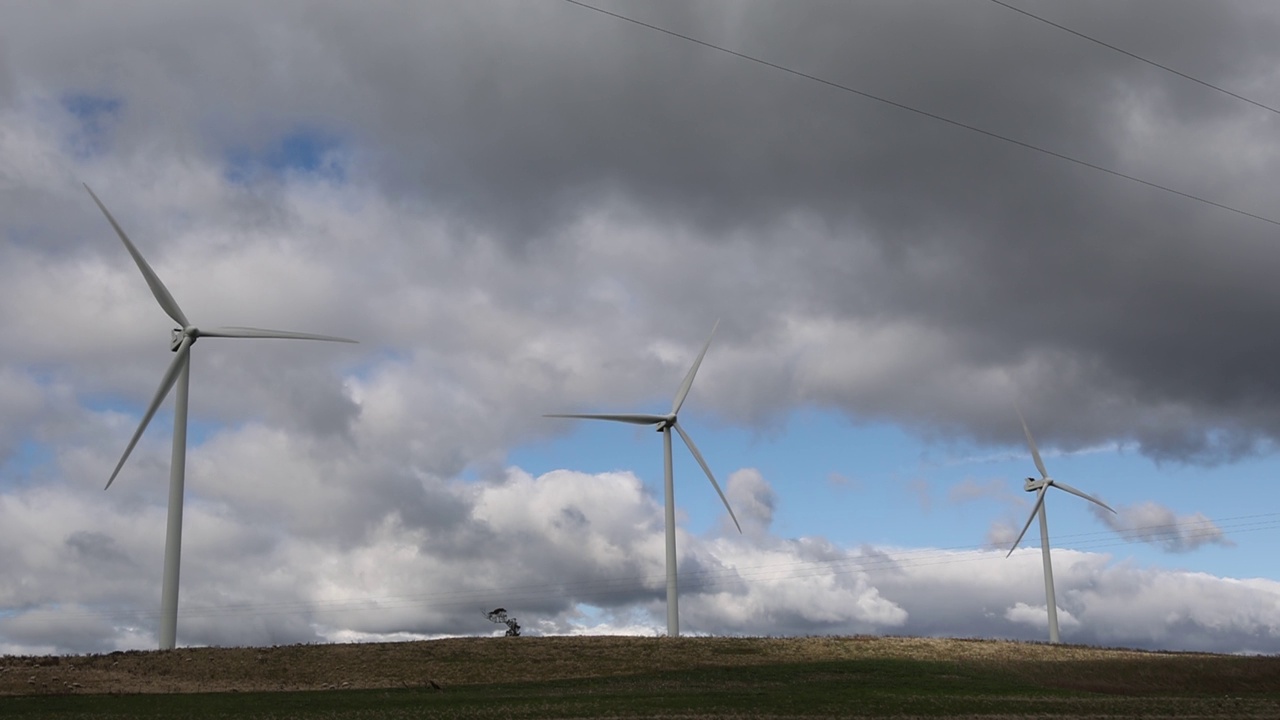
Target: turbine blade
{"type": "Point", "coordinates": [1085, 495]}
{"type": "Point", "coordinates": [627, 418]}
{"type": "Point", "coordinates": [698, 456]}
{"type": "Point", "coordinates": [166, 384]}
{"type": "Point", "coordinates": [158, 289]}
{"type": "Point", "coordinates": [1034, 510]}
{"type": "Point", "coordinates": [1031, 443]}
{"type": "Point", "coordinates": [688, 379]}
{"type": "Point", "coordinates": [248, 332]}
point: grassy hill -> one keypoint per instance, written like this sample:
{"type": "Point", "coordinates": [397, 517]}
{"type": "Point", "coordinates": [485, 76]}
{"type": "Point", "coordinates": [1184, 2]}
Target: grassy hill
{"type": "Point", "coordinates": [645, 677]}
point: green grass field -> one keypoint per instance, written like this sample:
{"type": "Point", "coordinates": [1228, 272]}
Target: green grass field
{"type": "Point", "coordinates": [624, 677]}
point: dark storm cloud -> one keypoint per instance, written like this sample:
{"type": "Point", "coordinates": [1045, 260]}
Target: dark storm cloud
{"type": "Point", "coordinates": [1130, 312]}
{"type": "Point", "coordinates": [1095, 294]}
{"type": "Point", "coordinates": [528, 207]}
{"type": "Point", "coordinates": [1132, 297]}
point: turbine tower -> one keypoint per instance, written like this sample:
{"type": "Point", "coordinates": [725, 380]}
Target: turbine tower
{"type": "Point", "coordinates": [664, 424]}
{"type": "Point", "coordinates": [179, 373]}
{"type": "Point", "coordinates": [1041, 487]}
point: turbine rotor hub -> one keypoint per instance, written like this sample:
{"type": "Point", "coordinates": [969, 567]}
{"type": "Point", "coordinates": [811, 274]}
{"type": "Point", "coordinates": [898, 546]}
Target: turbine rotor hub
{"type": "Point", "coordinates": [175, 337]}
{"type": "Point", "coordinates": [1032, 484]}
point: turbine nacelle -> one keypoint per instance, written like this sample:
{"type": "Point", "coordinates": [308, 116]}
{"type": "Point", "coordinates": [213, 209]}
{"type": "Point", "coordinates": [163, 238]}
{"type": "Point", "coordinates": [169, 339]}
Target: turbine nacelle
{"type": "Point", "coordinates": [1041, 486]}
{"type": "Point", "coordinates": [1041, 489]}
{"type": "Point", "coordinates": [180, 342]}
{"type": "Point", "coordinates": [176, 336]}
{"type": "Point", "coordinates": [664, 424]}
{"type": "Point", "coordinates": [668, 422]}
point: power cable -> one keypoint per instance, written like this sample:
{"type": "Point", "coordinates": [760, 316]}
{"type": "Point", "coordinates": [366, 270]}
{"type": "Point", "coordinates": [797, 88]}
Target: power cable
{"type": "Point", "coordinates": [931, 115]}
{"type": "Point", "coordinates": [1135, 56]}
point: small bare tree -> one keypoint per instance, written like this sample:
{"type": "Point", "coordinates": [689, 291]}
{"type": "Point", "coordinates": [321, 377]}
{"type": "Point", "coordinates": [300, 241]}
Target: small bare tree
{"type": "Point", "coordinates": [499, 616]}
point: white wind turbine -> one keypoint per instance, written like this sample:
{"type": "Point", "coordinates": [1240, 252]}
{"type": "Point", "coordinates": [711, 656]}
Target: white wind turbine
{"type": "Point", "coordinates": [1041, 487]}
{"type": "Point", "coordinates": [179, 373]}
{"type": "Point", "coordinates": [664, 425]}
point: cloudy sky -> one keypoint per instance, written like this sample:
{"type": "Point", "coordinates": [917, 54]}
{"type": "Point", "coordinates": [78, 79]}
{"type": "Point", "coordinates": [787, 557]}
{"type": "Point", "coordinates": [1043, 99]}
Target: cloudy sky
{"type": "Point", "coordinates": [529, 207]}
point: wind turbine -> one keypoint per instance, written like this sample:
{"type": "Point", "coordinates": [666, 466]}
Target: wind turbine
{"type": "Point", "coordinates": [664, 425]}
{"type": "Point", "coordinates": [1041, 487]}
{"type": "Point", "coordinates": [179, 373]}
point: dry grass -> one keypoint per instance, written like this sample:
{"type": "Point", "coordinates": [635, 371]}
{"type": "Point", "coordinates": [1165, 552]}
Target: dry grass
{"type": "Point", "coordinates": [481, 661]}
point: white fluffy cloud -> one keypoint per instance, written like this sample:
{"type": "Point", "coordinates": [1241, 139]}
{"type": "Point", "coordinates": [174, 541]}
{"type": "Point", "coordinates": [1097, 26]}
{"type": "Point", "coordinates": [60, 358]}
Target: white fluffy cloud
{"type": "Point", "coordinates": [1038, 617]}
{"type": "Point", "coordinates": [533, 210]}
{"type": "Point", "coordinates": [565, 553]}
{"type": "Point", "coordinates": [1154, 523]}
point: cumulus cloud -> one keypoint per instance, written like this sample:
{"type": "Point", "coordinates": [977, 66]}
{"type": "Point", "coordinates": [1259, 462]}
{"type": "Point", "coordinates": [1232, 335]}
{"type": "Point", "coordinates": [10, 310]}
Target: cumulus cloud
{"type": "Point", "coordinates": [1153, 523]}
{"type": "Point", "coordinates": [900, 283]}
{"type": "Point", "coordinates": [1001, 534]}
{"type": "Point", "coordinates": [1038, 617]}
{"type": "Point", "coordinates": [539, 209]}
{"type": "Point", "coordinates": [567, 553]}
{"type": "Point", "coordinates": [753, 501]}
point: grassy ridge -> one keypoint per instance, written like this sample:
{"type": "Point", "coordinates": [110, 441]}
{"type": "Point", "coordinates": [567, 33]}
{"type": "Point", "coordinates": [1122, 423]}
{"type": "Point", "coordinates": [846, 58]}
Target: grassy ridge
{"type": "Point", "coordinates": [646, 677]}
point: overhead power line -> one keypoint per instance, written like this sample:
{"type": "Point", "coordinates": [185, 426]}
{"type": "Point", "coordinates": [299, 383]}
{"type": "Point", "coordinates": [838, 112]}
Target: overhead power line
{"type": "Point", "coordinates": [1135, 56]}
{"type": "Point", "coordinates": [926, 113]}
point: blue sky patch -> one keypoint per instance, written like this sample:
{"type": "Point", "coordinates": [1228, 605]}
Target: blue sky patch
{"type": "Point", "coordinates": [95, 117]}
{"type": "Point", "coordinates": [198, 430]}
{"type": "Point", "coordinates": [301, 152]}
{"type": "Point", "coordinates": [20, 466]}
